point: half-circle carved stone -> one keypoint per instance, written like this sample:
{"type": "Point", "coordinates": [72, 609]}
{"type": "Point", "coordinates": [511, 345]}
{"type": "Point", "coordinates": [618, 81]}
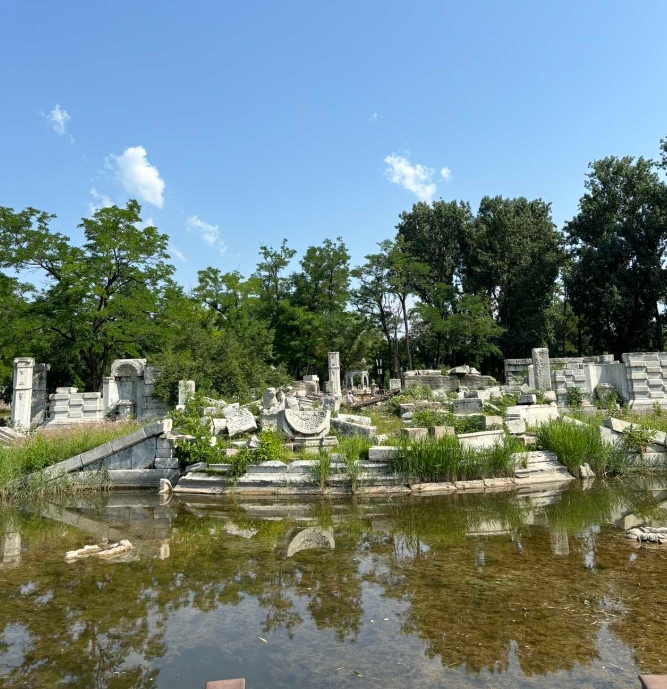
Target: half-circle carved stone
{"type": "Point", "coordinates": [309, 423]}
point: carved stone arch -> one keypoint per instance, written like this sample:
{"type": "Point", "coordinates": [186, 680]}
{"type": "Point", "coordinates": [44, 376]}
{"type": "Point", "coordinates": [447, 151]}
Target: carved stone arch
{"type": "Point", "coordinates": [132, 368]}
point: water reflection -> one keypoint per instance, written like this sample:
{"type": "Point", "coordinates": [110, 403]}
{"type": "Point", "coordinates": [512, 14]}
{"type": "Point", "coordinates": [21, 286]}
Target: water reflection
{"type": "Point", "coordinates": [447, 588]}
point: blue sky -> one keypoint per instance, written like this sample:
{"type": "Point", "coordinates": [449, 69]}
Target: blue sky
{"type": "Point", "coordinates": [238, 124]}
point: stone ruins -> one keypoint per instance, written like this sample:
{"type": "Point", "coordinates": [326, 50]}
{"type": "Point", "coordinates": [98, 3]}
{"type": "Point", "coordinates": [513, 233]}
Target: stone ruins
{"type": "Point", "coordinates": [640, 378]}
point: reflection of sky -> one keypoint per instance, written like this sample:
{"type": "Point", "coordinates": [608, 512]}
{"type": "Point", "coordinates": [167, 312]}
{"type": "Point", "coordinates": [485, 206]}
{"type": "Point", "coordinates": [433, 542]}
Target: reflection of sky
{"type": "Point", "coordinates": [399, 599]}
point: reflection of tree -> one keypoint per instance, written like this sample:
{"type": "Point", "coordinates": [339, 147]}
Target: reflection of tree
{"type": "Point", "coordinates": [467, 597]}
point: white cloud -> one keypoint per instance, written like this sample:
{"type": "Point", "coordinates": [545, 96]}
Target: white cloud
{"type": "Point", "coordinates": [176, 253]}
{"type": "Point", "coordinates": [58, 119]}
{"type": "Point", "coordinates": [101, 201]}
{"type": "Point", "coordinates": [138, 176]}
{"type": "Point", "coordinates": [209, 233]}
{"type": "Point", "coordinates": [446, 174]}
{"type": "Point", "coordinates": [373, 117]}
{"type": "Point", "coordinates": [149, 222]}
{"type": "Point", "coordinates": [415, 178]}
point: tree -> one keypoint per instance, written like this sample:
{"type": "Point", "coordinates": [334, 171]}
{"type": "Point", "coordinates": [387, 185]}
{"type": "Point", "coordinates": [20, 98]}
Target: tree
{"type": "Point", "coordinates": [618, 282]}
{"type": "Point", "coordinates": [432, 235]}
{"type": "Point", "coordinates": [512, 253]}
{"type": "Point", "coordinates": [375, 299]}
{"type": "Point", "coordinates": [99, 301]}
{"type": "Point", "coordinates": [274, 286]}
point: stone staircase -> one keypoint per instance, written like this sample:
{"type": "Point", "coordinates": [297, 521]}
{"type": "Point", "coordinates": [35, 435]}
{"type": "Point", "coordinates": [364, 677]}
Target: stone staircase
{"type": "Point", "coordinates": [540, 467]}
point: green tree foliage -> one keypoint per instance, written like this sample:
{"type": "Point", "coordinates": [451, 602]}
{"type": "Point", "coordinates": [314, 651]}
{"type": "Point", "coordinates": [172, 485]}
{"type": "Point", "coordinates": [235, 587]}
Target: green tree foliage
{"type": "Point", "coordinates": [512, 254]}
{"type": "Point", "coordinates": [98, 301]}
{"type": "Point", "coordinates": [618, 281]}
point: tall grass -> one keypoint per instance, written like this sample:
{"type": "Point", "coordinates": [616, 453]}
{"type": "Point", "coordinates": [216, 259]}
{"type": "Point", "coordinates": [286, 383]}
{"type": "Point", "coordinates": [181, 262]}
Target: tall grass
{"type": "Point", "coordinates": [352, 449]}
{"type": "Point", "coordinates": [575, 445]}
{"type": "Point", "coordinates": [20, 462]}
{"type": "Point", "coordinates": [444, 459]}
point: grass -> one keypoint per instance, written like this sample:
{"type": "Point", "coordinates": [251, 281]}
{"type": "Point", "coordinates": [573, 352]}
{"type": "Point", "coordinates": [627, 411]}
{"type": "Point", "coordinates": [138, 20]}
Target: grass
{"type": "Point", "coordinates": [444, 459]}
{"type": "Point", "coordinates": [41, 450]}
{"type": "Point", "coordinates": [575, 445]}
{"type": "Point", "coordinates": [385, 421]}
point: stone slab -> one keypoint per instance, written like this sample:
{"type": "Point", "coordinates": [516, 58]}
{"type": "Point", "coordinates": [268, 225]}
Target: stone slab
{"type": "Point", "coordinates": [414, 433]}
{"type": "Point", "coordinates": [382, 453]}
{"type": "Point", "coordinates": [468, 405]}
{"type": "Point", "coordinates": [441, 431]}
{"type": "Point", "coordinates": [166, 463]}
{"type": "Point", "coordinates": [141, 478]}
{"type": "Point", "coordinates": [483, 440]}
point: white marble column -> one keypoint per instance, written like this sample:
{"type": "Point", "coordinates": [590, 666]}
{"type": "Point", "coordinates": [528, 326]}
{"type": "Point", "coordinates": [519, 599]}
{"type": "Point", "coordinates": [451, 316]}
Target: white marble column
{"type": "Point", "coordinates": [541, 368]}
{"type": "Point", "coordinates": [186, 389]}
{"type": "Point", "coordinates": [22, 397]}
{"type": "Point", "coordinates": [334, 374]}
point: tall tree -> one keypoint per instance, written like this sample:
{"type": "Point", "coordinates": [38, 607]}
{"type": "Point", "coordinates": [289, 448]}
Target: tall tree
{"type": "Point", "coordinates": [512, 253]}
{"type": "Point", "coordinates": [374, 297]}
{"type": "Point", "coordinates": [270, 274]}
{"type": "Point", "coordinates": [100, 300]}
{"type": "Point", "coordinates": [618, 282]}
{"type": "Point", "coordinates": [433, 235]}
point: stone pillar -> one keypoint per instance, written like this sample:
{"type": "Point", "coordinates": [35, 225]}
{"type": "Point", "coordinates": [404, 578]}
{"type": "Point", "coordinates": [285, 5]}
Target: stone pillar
{"type": "Point", "coordinates": [186, 389]}
{"type": "Point", "coordinates": [334, 374]}
{"type": "Point", "coordinates": [110, 394]}
{"type": "Point", "coordinates": [22, 397]}
{"type": "Point", "coordinates": [39, 403]}
{"type": "Point", "coordinates": [541, 368]}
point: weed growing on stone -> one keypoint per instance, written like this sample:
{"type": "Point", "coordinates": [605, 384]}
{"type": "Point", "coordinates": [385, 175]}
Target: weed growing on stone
{"type": "Point", "coordinates": [271, 447]}
{"type": "Point", "coordinates": [575, 445]}
{"type": "Point", "coordinates": [41, 450]}
{"type": "Point", "coordinates": [321, 469]}
{"type": "Point", "coordinates": [444, 459]}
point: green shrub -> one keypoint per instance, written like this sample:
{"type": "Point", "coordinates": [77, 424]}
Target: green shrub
{"type": "Point", "coordinates": [353, 448]}
{"type": "Point", "coordinates": [575, 445]}
{"type": "Point", "coordinates": [574, 397]}
{"type": "Point", "coordinates": [424, 418]}
{"type": "Point", "coordinates": [412, 394]}
{"type": "Point", "coordinates": [271, 447]}
{"type": "Point", "coordinates": [473, 423]}
{"type": "Point", "coordinates": [198, 448]}
{"type": "Point", "coordinates": [636, 439]}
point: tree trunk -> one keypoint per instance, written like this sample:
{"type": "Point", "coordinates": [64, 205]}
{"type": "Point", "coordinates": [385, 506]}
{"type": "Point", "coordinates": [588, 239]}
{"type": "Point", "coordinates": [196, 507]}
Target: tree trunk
{"type": "Point", "coordinates": [564, 323]}
{"type": "Point", "coordinates": [397, 366]}
{"type": "Point", "coordinates": [660, 340]}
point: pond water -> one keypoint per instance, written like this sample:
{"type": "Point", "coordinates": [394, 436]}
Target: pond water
{"type": "Point", "coordinates": [500, 590]}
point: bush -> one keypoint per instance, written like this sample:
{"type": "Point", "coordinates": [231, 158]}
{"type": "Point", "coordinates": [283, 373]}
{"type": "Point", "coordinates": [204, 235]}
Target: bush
{"type": "Point", "coordinates": [352, 449]}
{"type": "Point", "coordinates": [198, 448]}
{"type": "Point", "coordinates": [574, 397]}
{"type": "Point", "coordinates": [575, 445]}
{"type": "Point", "coordinates": [423, 418]}
{"type": "Point", "coordinates": [271, 447]}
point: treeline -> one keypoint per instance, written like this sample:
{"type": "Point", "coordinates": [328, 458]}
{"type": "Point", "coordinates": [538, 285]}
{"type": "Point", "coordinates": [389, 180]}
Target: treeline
{"type": "Point", "coordinates": [452, 286]}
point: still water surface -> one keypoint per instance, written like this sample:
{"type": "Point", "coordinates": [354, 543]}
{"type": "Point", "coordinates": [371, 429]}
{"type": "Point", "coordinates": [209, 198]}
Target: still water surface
{"type": "Point", "coordinates": [456, 591]}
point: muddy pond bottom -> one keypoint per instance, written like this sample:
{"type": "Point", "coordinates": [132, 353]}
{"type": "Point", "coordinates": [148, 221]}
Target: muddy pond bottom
{"type": "Point", "coordinates": [535, 590]}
